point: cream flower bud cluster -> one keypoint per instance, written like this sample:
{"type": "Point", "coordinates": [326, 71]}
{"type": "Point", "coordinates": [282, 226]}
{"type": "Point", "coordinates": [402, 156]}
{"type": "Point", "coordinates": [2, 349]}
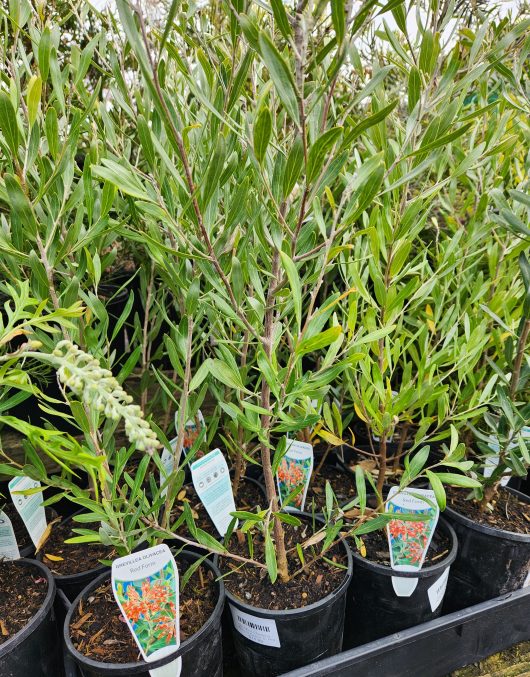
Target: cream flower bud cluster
{"type": "Point", "coordinates": [98, 389]}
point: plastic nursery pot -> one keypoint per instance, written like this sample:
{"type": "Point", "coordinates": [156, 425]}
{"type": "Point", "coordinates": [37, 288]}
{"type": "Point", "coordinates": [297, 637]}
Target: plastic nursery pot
{"type": "Point", "coordinates": [374, 610]}
{"type": "Point", "coordinates": [35, 649]}
{"type": "Point", "coordinates": [201, 653]}
{"type": "Point", "coordinates": [72, 584]}
{"type": "Point", "coordinates": [278, 641]}
{"type": "Point", "coordinates": [490, 561]}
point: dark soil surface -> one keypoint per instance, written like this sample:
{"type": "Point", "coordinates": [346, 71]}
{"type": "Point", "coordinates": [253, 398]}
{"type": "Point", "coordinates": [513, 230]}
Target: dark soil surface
{"type": "Point", "coordinates": [23, 590]}
{"type": "Point", "coordinates": [509, 514]}
{"type": "Point", "coordinates": [248, 497]}
{"type": "Point", "coordinates": [75, 558]}
{"type": "Point", "coordinates": [342, 482]}
{"type": "Point", "coordinates": [252, 584]}
{"type": "Point", "coordinates": [99, 631]}
{"type": "Point", "coordinates": [21, 533]}
{"type": "Point", "coordinates": [376, 544]}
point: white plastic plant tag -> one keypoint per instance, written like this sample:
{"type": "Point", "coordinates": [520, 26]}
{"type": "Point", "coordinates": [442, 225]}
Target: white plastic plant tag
{"type": "Point", "coordinates": [491, 462]}
{"type": "Point", "coordinates": [29, 507]}
{"type": "Point", "coordinates": [526, 584]}
{"type": "Point", "coordinates": [212, 483]}
{"type": "Point", "coordinates": [260, 630]}
{"type": "Point", "coordinates": [409, 541]}
{"type": "Point", "coordinates": [8, 542]}
{"type": "Point", "coordinates": [437, 590]}
{"type": "Point", "coordinates": [146, 588]}
{"type": "Point", "coordinates": [295, 470]}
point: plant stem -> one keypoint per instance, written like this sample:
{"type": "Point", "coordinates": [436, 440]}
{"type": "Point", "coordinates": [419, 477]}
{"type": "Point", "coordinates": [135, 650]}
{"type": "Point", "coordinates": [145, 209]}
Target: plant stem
{"type": "Point", "coordinates": [517, 365]}
{"type": "Point", "coordinates": [183, 406]}
{"type": "Point", "coordinates": [279, 536]}
{"type": "Point", "coordinates": [382, 469]}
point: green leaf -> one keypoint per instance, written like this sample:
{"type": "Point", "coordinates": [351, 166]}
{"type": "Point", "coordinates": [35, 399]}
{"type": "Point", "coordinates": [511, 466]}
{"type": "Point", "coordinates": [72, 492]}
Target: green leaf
{"type": "Point", "coordinates": [19, 203]}
{"type": "Point", "coordinates": [370, 121]}
{"type": "Point", "coordinates": [360, 483]}
{"type": "Point", "coordinates": [281, 75]}
{"type": "Point", "coordinates": [43, 53]}
{"type": "Point", "coordinates": [270, 558]}
{"type": "Point", "coordinates": [325, 338]}
{"type": "Point", "coordinates": [319, 150]}
{"type": "Point", "coordinates": [296, 287]}
{"type": "Point", "coordinates": [215, 169]}
{"type": "Point", "coordinates": [8, 123]}
{"type": "Point", "coordinates": [414, 88]}
{"type": "Point", "coordinates": [458, 480]}
{"type": "Point", "coordinates": [338, 17]}
{"type": "Point", "coordinates": [34, 94]}
{"type": "Point", "coordinates": [281, 18]}
{"type": "Point", "coordinates": [262, 133]}
{"type": "Point", "coordinates": [293, 167]}
{"type": "Point", "coordinates": [169, 22]}
{"type": "Point", "coordinates": [223, 372]}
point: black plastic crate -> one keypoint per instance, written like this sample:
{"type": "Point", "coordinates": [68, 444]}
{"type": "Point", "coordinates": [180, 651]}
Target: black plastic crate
{"type": "Point", "coordinates": [438, 647]}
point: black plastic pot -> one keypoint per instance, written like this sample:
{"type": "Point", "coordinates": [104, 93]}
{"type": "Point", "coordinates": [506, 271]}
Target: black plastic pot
{"type": "Point", "coordinates": [490, 561]}
{"type": "Point", "coordinates": [302, 635]}
{"type": "Point", "coordinates": [72, 584]}
{"type": "Point", "coordinates": [374, 610]}
{"type": "Point", "coordinates": [438, 647]}
{"type": "Point", "coordinates": [35, 649]}
{"type": "Point", "coordinates": [201, 653]}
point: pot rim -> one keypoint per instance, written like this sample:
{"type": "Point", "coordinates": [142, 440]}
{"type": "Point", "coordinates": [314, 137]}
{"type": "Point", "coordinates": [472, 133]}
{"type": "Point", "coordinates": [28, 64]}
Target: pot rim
{"type": "Point", "coordinates": [35, 621]}
{"type": "Point", "coordinates": [489, 530]}
{"type": "Point", "coordinates": [300, 612]}
{"type": "Point", "coordinates": [143, 666]}
{"type": "Point", "coordinates": [425, 571]}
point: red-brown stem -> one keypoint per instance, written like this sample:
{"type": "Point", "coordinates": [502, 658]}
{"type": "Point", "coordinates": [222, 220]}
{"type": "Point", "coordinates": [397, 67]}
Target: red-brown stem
{"type": "Point", "coordinates": [270, 488]}
{"type": "Point", "coordinates": [521, 344]}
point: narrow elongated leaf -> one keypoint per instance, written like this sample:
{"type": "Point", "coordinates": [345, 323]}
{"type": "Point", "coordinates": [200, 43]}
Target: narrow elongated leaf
{"type": "Point", "coordinates": [262, 133]}
{"type": "Point", "coordinates": [296, 287]}
{"type": "Point", "coordinates": [8, 122]}
{"type": "Point", "coordinates": [282, 20]}
{"type": "Point", "coordinates": [281, 75]}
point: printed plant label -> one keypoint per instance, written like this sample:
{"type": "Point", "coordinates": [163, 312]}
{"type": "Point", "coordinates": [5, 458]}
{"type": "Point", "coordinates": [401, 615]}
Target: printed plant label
{"type": "Point", "coordinates": [146, 588]}
{"type": "Point", "coordinates": [29, 507]}
{"type": "Point", "coordinates": [8, 541]}
{"type": "Point", "coordinates": [295, 470]}
{"type": "Point", "coordinates": [437, 590]}
{"type": "Point", "coordinates": [260, 630]}
{"type": "Point", "coordinates": [192, 430]}
{"type": "Point", "coordinates": [212, 483]}
{"type": "Point", "coordinates": [409, 541]}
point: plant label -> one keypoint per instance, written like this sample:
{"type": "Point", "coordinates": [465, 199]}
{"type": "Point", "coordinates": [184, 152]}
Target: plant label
{"type": "Point", "coordinates": [212, 483]}
{"type": "Point", "coordinates": [409, 541]}
{"type": "Point", "coordinates": [260, 630]}
{"type": "Point", "coordinates": [295, 471]}
{"type": "Point", "coordinates": [437, 590]}
{"type": "Point", "coordinates": [8, 541]}
{"type": "Point", "coordinates": [168, 461]}
{"type": "Point", "coordinates": [192, 430]}
{"type": "Point", "coordinates": [29, 506]}
{"type": "Point", "coordinates": [146, 589]}
{"type": "Point", "coordinates": [526, 584]}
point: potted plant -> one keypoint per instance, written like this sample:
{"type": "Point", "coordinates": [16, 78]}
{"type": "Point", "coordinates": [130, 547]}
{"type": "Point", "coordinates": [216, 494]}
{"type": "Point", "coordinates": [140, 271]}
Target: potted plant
{"type": "Point", "coordinates": [492, 522]}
